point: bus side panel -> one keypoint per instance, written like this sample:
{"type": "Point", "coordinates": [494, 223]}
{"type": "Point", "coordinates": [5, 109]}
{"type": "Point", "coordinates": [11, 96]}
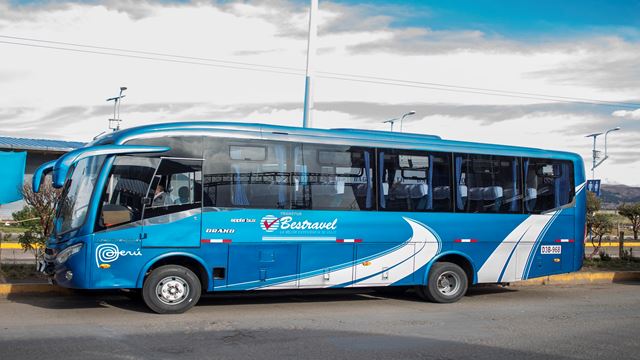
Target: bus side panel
{"type": "Point", "coordinates": [326, 265]}
{"type": "Point", "coordinates": [251, 263]}
{"type": "Point", "coordinates": [554, 253]}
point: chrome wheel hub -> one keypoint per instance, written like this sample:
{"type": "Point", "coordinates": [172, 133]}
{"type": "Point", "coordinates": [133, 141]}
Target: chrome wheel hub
{"type": "Point", "coordinates": [172, 290]}
{"type": "Point", "coordinates": [448, 283]}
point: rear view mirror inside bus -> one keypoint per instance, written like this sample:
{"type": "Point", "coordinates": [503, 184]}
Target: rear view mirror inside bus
{"type": "Point", "coordinates": [549, 170]}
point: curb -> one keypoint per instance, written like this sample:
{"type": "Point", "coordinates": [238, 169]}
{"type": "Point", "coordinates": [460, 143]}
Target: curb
{"type": "Point", "coordinates": [601, 277]}
{"type": "Point", "coordinates": [14, 289]}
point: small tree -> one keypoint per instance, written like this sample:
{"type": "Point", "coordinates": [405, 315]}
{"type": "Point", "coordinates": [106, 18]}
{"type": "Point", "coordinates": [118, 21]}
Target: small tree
{"type": "Point", "coordinates": [593, 205]}
{"type": "Point", "coordinates": [37, 217]}
{"type": "Point", "coordinates": [602, 224]}
{"type": "Point", "coordinates": [631, 212]}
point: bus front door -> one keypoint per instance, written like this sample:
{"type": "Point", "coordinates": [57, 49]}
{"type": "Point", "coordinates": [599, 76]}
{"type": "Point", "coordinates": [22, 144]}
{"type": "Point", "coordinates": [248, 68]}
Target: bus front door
{"type": "Point", "coordinates": [173, 207]}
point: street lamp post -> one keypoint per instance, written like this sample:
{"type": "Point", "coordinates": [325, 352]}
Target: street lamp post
{"type": "Point", "coordinates": [405, 115]}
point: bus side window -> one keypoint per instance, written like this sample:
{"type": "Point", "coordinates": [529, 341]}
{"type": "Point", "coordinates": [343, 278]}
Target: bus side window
{"type": "Point", "coordinates": [548, 184]}
{"type": "Point", "coordinates": [125, 190]}
{"type": "Point", "coordinates": [329, 177]}
{"type": "Point", "coordinates": [414, 180]}
{"type": "Point", "coordinates": [247, 174]}
{"type": "Point", "coordinates": [488, 183]}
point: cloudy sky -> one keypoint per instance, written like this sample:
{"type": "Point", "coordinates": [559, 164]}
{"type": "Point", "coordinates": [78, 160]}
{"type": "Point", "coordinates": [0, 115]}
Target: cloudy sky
{"type": "Point", "coordinates": [244, 61]}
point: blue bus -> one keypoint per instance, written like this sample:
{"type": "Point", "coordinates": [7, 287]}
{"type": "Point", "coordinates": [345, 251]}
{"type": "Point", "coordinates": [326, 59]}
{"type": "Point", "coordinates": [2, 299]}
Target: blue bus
{"type": "Point", "coordinates": [174, 210]}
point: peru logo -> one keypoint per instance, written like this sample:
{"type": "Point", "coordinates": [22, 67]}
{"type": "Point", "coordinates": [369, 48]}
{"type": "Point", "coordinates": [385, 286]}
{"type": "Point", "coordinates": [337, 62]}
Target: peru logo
{"type": "Point", "coordinates": [270, 223]}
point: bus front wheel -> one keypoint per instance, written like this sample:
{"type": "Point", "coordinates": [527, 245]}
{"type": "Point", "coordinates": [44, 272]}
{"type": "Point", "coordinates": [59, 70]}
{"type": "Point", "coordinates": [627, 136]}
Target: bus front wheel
{"type": "Point", "coordinates": [171, 289]}
{"type": "Point", "coordinates": [447, 283]}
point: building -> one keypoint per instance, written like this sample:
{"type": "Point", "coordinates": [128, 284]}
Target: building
{"type": "Point", "coordinates": [38, 151]}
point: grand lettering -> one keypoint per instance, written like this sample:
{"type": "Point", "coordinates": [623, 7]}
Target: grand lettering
{"type": "Point", "coordinates": [287, 223]}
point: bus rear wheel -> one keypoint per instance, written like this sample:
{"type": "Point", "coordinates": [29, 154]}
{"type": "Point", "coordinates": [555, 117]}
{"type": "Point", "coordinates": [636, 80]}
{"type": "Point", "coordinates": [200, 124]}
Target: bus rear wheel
{"type": "Point", "coordinates": [171, 289]}
{"type": "Point", "coordinates": [447, 283]}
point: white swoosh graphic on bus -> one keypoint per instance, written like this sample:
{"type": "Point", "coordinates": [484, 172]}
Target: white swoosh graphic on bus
{"type": "Point", "coordinates": [510, 257]}
{"type": "Point", "coordinates": [398, 262]}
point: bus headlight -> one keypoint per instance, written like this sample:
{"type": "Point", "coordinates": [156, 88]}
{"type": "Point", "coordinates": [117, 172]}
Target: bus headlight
{"type": "Point", "coordinates": [64, 255]}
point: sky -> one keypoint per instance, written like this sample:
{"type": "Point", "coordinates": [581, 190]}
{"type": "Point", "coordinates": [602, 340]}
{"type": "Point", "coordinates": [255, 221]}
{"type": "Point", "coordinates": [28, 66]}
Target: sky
{"type": "Point", "coordinates": [244, 61]}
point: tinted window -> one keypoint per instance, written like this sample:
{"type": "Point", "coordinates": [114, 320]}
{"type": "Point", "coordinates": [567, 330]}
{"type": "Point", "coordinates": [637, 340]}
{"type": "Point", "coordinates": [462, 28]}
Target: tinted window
{"type": "Point", "coordinates": [125, 190]}
{"type": "Point", "coordinates": [176, 187]}
{"type": "Point", "coordinates": [181, 146]}
{"type": "Point", "coordinates": [414, 181]}
{"type": "Point", "coordinates": [487, 183]}
{"type": "Point", "coordinates": [549, 184]}
{"type": "Point", "coordinates": [332, 177]}
{"type": "Point", "coordinates": [247, 174]}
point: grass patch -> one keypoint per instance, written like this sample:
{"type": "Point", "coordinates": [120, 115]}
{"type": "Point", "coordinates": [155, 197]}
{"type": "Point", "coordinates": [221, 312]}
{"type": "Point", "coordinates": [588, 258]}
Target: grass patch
{"type": "Point", "coordinates": [20, 272]}
{"type": "Point", "coordinates": [12, 229]}
{"type": "Point", "coordinates": [612, 264]}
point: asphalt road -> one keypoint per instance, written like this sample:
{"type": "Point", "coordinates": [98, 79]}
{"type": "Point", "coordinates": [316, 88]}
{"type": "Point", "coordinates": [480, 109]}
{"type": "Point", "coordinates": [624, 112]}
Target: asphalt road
{"type": "Point", "coordinates": [595, 321]}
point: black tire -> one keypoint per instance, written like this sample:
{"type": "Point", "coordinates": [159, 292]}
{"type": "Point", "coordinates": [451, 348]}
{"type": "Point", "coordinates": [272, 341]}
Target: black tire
{"type": "Point", "coordinates": [171, 289]}
{"type": "Point", "coordinates": [438, 293]}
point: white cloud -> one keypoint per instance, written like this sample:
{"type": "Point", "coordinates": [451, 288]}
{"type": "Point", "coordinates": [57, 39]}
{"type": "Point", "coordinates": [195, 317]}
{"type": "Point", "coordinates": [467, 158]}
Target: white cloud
{"type": "Point", "coordinates": [629, 114]}
{"type": "Point", "coordinates": [59, 94]}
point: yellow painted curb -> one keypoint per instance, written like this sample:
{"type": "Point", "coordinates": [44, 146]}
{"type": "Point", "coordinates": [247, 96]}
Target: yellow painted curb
{"type": "Point", "coordinates": [615, 244]}
{"type": "Point", "coordinates": [584, 278]}
{"type": "Point", "coordinates": [11, 246]}
{"type": "Point", "coordinates": [13, 289]}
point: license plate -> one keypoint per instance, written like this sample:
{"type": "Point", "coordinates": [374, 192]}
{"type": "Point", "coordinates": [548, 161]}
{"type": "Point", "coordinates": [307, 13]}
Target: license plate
{"type": "Point", "coordinates": [551, 249]}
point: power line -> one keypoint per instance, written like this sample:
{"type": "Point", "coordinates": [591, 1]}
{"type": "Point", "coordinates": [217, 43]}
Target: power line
{"type": "Point", "coordinates": [153, 56]}
{"type": "Point", "coordinates": [486, 90]}
{"type": "Point", "coordinates": [147, 58]}
{"type": "Point", "coordinates": [151, 53]}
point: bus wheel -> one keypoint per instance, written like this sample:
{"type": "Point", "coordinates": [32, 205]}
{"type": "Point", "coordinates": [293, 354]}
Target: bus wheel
{"type": "Point", "coordinates": [447, 283]}
{"type": "Point", "coordinates": [171, 289]}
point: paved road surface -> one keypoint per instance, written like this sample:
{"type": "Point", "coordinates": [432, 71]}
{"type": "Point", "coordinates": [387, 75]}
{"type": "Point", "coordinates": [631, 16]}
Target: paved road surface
{"type": "Point", "coordinates": [596, 322]}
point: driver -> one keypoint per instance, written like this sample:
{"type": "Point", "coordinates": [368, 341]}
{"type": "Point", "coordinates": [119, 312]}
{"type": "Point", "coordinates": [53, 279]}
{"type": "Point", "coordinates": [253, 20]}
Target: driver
{"type": "Point", "coordinates": [160, 198]}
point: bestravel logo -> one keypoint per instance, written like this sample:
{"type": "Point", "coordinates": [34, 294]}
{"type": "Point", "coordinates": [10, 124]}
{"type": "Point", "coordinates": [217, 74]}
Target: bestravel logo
{"type": "Point", "coordinates": [270, 223]}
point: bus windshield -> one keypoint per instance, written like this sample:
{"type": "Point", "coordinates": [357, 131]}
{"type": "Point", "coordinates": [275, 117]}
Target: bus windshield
{"type": "Point", "coordinates": [76, 194]}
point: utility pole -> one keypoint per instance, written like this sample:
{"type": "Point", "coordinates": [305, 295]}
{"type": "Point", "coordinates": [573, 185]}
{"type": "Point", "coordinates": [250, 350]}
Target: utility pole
{"type": "Point", "coordinates": [116, 110]}
{"type": "Point", "coordinates": [390, 122]}
{"type": "Point", "coordinates": [596, 153]}
{"type": "Point", "coordinates": [311, 53]}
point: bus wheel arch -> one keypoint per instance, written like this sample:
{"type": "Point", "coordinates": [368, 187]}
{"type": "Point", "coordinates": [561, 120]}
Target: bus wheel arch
{"type": "Point", "coordinates": [457, 258]}
{"type": "Point", "coordinates": [188, 261]}
{"type": "Point", "coordinates": [447, 279]}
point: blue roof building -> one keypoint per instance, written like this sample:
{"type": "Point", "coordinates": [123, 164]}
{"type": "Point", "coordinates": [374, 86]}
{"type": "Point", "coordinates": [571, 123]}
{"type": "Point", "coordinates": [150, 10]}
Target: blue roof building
{"type": "Point", "coordinates": [38, 151]}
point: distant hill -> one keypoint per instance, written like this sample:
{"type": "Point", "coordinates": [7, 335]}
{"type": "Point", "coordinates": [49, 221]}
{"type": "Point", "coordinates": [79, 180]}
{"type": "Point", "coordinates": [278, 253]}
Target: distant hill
{"type": "Point", "coordinates": [614, 195]}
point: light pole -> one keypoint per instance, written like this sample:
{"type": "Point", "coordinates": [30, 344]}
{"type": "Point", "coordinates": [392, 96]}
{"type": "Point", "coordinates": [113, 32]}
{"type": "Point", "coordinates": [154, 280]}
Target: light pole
{"type": "Point", "coordinates": [307, 120]}
{"type": "Point", "coordinates": [596, 153]}
{"type": "Point", "coordinates": [405, 115]}
{"type": "Point", "coordinates": [390, 122]}
{"type": "Point", "coordinates": [116, 109]}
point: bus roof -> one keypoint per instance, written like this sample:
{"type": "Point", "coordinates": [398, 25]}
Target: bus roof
{"type": "Point", "coordinates": [380, 138]}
